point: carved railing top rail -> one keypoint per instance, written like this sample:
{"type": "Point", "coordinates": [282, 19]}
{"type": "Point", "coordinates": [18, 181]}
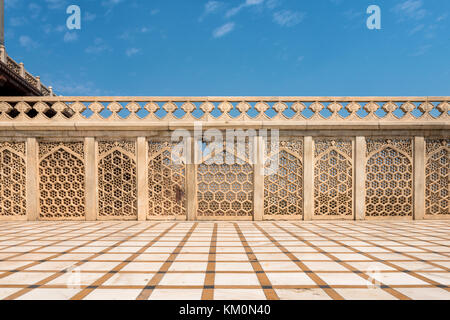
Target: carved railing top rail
{"type": "Point", "coordinates": [83, 113]}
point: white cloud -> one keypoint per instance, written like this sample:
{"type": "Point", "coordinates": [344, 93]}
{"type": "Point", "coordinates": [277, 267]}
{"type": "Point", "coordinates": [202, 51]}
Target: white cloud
{"type": "Point", "coordinates": [68, 86]}
{"type": "Point", "coordinates": [442, 17]}
{"type": "Point", "coordinates": [11, 3]}
{"type": "Point", "coordinates": [411, 9]}
{"type": "Point", "coordinates": [55, 4]}
{"type": "Point", "coordinates": [110, 3]}
{"type": "Point", "coordinates": [99, 47]}
{"type": "Point", "coordinates": [35, 10]}
{"type": "Point", "coordinates": [211, 7]}
{"type": "Point", "coordinates": [70, 37]}
{"type": "Point", "coordinates": [247, 3]}
{"type": "Point", "coordinates": [89, 16]}
{"type": "Point", "coordinates": [287, 18]}
{"type": "Point", "coordinates": [421, 50]}
{"type": "Point", "coordinates": [132, 51]}
{"type": "Point", "coordinates": [27, 42]}
{"type": "Point", "coordinates": [223, 30]}
{"type": "Point", "coordinates": [48, 28]}
{"type": "Point", "coordinates": [272, 4]}
{"type": "Point", "coordinates": [352, 14]}
{"type": "Point", "coordinates": [417, 29]}
{"type": "Point", "coordinates": [18, 21]}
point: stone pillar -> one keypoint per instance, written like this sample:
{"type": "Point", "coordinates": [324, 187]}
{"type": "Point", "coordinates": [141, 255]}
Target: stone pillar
{"type": "Point", "coordinates": [142, 178]}
{"type": "Point", "coordinates": [258, 198]}
{"type": "Point", "coordinates": [360, 178]}
{"type": "Point", "coordinates": [191, 147]}
{"type": "Point", "coordinates": [419, 178]}
{"type": "Point", "coordinates": [2, 22]}
{"type": "Point", "coordinates": [308, 179]}
{"type": "Point", "coordinates": [32, 180]}
{"type": "Point", "coordinates": [90, 158]}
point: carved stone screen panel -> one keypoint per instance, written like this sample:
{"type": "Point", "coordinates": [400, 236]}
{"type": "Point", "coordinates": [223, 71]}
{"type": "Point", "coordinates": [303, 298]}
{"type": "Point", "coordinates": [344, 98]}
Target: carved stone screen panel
{"type": "Point", "coordinates": [13, 202]}
{"type": "Point", "coordinates": [61, 181]}
{"type": "Point", "coordinates": [117, 180]}
{"type": "Point", "coordinates": [437, 178]}
{"type": "Point", "coordinates": [225, 190]}
{"type": "Point", "coordinates": [283, 180]}
{"type": "Point", "coordinates": [389, 178]}
{"type": "Point", "coordinates": [333, 179]}
{"type": "Point", "coordinates": [166, 181]}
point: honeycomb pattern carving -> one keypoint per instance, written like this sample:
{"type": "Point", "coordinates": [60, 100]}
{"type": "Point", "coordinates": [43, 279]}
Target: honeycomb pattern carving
{"type": "Point", "coordinates": [117, 181]}
{"type": "Point", "coordinates": [283, 189]}
{"type": "Point", "coordinates": [61, 181]}
{"type": "Point", "coordinates": [166, 182]}
{"type": "Point", "coordinates": [333, 179]}
{"type": "Point", "coordinates": [437, 195]}
{"type": "Point", "coordinates": [225, 190]}
{"type": "Point", "coordinates": [13, 201]}
{"type": "Point", "coordinates": [389, 179]}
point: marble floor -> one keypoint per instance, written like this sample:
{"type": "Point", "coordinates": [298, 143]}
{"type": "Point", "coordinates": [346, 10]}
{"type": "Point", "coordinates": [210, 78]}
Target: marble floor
{"type": "Point", "coordinates": [225, 260]}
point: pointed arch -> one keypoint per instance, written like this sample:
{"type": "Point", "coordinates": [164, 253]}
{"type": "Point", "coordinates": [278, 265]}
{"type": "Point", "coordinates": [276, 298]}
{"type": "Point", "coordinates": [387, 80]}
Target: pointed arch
{"type": "Point", "coordinates": [13, 201]}
{"type": "Point", "coordinates": [389, 183]}
{"type": "Point", "coordinates": [61, 182]}
{"type": "Point", "coordinates": [166, 183]}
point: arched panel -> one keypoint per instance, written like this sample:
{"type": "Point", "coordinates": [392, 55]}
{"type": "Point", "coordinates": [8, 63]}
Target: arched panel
{"type": "Point", "coordinates": [61, 181]}
{"type": "Point", "coordinates": [283, 187]}
{"type": "Point", "coordinates": [437, 178]}
{"type": "Point", "coordinates": [166, 182]}
{"type": "Point", "coordinates": [333, 179]}
{"type": "Point", "coordinates": [13, 202]}
{"type": "Point", "coordinates": [389, 179]}
{"type": "Point", "coordinates": [117, 180]}
{"type": "Point", "coordinates": [225, 190]}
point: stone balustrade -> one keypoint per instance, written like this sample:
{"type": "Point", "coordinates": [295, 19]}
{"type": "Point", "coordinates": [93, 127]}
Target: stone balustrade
{"type": "Point", "coordinates": [19, 70]}
{"type": "Point", "coordinates": [112, 158]}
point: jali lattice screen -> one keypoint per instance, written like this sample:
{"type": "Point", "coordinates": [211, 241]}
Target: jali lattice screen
{"type": "Point", "coordinates": [13, 202]}
{"type": "Point", "coordinates": [117, 180]}
{"type": "Point", "coordinates": [225, 190]}
{"type": "Point", "coordinates": [283, 180]}
{"type": "Point", "coordinates": [166, 181]}
{"type": "Point", "coordinates": [333, 179]}
{"type": "Point", "coordinates": [437, 192]}
{"type": "Point", "coordinates": [389, 178]}
{"type": "Point", "coordinates": [61, 181]}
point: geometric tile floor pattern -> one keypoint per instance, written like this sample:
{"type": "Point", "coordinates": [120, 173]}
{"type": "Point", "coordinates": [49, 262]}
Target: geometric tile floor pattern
{"type": "Point", "coordinates": [225, 260]}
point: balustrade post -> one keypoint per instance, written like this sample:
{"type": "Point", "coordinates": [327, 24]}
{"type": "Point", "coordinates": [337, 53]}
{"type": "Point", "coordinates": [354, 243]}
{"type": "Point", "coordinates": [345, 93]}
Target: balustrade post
{"type": "Point", "coordinates": [360, 178]}
{"type": "Point", "coordinates": [419, 178]}
{"type": "Point", "coordinates": [3, 54]}
{"type": "Point", "coordinates": [22, 70]}
{"type": "Point", "coordinates": [38, 83]}
{"type": "Point", "coordinates": [308, 181]}
{"type": "Point", "coordinates": [32, 180]}
{"type": "Point", "coordinates": [191, 147]}
{"type": "Point", "coordinates": [258, 197]}
{"type": "Point", "coordinates": [90, 158]}
{"type": "Point", "coordinates": [142, 178]}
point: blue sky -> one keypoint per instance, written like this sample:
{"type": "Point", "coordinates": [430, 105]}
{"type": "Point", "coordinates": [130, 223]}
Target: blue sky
{"type": "Point", "coordinates": [234, 47]}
